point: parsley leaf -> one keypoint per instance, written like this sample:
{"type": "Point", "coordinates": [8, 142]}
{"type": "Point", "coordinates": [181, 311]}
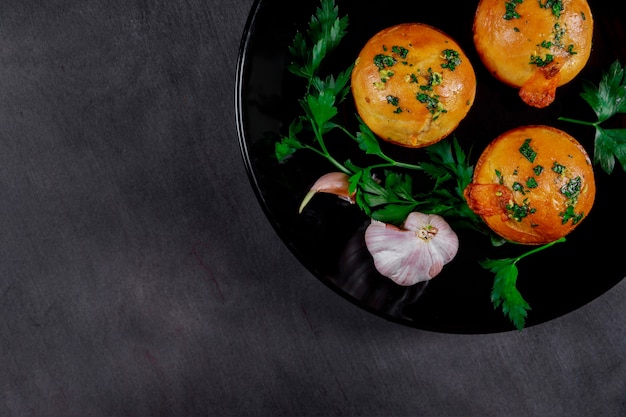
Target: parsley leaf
{"type": "Point", "coordinates": [369, 144]}
{"type": "Point", "coordinates": [607, 99]}
{"type": "Point", "coordinates": [610, 144]}
{"type": "Point", "coordinates": [504, 292]}
{"type": "Point", "coordinates": [451, 163]}
{"type": "Point", "coordinates": [290, 143]}
{"type": "Point", "coordinates": [325, 32]}
{"type": "Point", "coordinates": [390, 200]}
{"type": "Point", "coordinates": [320, 108]}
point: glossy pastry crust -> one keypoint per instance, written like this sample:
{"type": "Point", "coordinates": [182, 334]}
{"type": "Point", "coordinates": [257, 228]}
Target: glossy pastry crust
{"type": "Point", "coordinates": [534, 45]}
{"type": "Point", "coordinates": [412, 84]}
{"type": "Point", "coordinates": [532, 185]}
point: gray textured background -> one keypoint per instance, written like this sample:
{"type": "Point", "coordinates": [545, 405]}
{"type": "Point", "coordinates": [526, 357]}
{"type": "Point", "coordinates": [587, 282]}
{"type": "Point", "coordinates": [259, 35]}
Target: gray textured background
{"type": "Point", "coordinates": [139, 276]}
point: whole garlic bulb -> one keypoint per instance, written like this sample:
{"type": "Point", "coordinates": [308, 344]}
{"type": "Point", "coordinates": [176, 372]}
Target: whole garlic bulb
{"type": "Point", "coordinates": [415, 252]}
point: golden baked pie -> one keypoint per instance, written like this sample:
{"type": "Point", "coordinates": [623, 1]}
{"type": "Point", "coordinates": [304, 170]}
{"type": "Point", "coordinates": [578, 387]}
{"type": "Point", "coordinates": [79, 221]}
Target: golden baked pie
{"type": "Point", "coordinates": [532, 185]}
{"type": "Point", "coordinates": [412, 84]}
{"type": "Point", "coordinates": [534, 45]}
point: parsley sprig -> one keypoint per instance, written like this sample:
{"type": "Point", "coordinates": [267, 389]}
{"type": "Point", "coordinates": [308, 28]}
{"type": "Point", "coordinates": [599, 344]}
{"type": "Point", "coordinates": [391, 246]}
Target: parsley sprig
{"type": "Point", "coordinates": [504, 292]}
{"type": "Point", "coordinates": [326, 29]}
{"type": "Point", "coordinates": [391, 198]}
{"type": "Point", "coordinates": [607, 99]}
{"type": "Point", "coordinates": [320, 107]}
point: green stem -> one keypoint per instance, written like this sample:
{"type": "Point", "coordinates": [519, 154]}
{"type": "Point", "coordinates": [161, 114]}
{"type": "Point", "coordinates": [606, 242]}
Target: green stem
{"type": "Point", "coordinates": [580, 122]}
{"type": "Point", "coordinates": [408, 166]}
{"type": "Point", "coordinates": [325, 152]}
{"type": "Point", "coordinates": [539, 248]}
{"type": "Point", "coordinates": [330, 159]}
{"type": "Point", "coordinates": [392, 163]}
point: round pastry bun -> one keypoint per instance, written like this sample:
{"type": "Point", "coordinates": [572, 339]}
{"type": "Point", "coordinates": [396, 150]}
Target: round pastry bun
{"type": "Point", "coordinates": [531, 46]}
{"type": "Point", "coordinates": [412, 84]}
{"type": "Point", "coordinates": [532, 185]}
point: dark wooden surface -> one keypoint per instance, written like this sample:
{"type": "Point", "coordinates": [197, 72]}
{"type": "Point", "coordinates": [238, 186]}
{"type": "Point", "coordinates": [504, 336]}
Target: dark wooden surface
{"type": "Point", "coordinates": [139, 276]}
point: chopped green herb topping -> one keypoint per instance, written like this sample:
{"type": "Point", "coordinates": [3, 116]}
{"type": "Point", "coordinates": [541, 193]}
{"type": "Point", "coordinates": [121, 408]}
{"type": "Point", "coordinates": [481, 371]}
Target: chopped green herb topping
{"type": "Point", "coordinates": [517, 212]}
{"type": "Point", "coordinates": [541, 62]}
{"type": "Point", "coordinates": [528, 152]}
{"type": "Point", "coordinates": [558, 32]}
{"type": "Point", "coordinates": [555, 5]}
{"type": "Point", "coordinates": [434, 78]}
{"type": "Point", "coordinates": [531, 182]}
{"type": "Point", "coordinates": [426, 95]}
{"type": "Point", "coordinates": [385, 74]}
{"type": "Point", "coordinates": [382, 61]}
{"type": "Point", "coordinates": [570, 214]}
{"type": "Point", "coordinates": [500, 177]}
{"type": "Point", "coordinates": [433, 104]}
{"type": "Point", "coordinates": [538, 170]}
{"type": "Point", "coordinates": [400, 50]}
{"type": "Point", "coordinates": [518, 187]}
{"type": "Point", "coordinates": [558, 168]}
{"type": "Point", "coordinates": [572, 188]}
{"type": "Point", "coordinates": [392, 100]}
{"type": "Point", "coordinates": [452, 59]}
{"type": "Point", "coordinates": [510, 12]}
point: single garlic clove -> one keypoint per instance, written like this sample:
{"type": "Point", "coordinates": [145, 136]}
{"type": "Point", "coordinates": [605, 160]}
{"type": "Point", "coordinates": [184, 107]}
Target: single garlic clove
{"type": "Point", "coordinates": [415, 252]}
{"type": "Point", "coordinates": [332, 183]}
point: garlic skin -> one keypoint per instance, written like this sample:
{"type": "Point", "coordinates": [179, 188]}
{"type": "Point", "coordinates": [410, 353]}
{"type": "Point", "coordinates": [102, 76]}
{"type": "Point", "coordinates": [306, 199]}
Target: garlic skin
{"type": "Point", "coordinates": [415, 252]}
{"type": "Point", "coordinates": [332, 183]}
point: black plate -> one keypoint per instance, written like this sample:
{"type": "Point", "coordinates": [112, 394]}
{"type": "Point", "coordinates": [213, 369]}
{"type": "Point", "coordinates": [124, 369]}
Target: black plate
{"type": "Point", "coordinates": [328, 236]}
